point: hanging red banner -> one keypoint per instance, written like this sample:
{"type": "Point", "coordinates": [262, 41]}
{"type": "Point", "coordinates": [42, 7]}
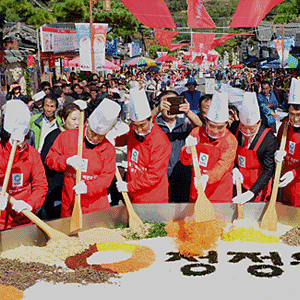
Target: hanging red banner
{"type": "Point", "coordinates": [30, 63]}
{"type": "Point", "coordinates": [66, 64]}
{"type": "Point", "coordinates": [198, 16]}
{"type": "Point", "coordinates": [153, 14]}
{"type": "Point", "coordinates": [202, 41]}
{"type": "Point", "coordinates": [249, 13]}
{"type": "Point", "coordinates": [165, 37]}
{"type": "Point", "coordinates": [225, 38]}
{"type": "Point", "coordinates": [174, 47]}
{"type": "Point", "coordinates": [198, 59]}
{"type": "Point", "coordinates": [52, 64]}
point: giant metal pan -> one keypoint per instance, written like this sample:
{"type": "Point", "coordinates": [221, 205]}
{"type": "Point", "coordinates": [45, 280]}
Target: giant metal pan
{"type": "Point", "coordinates": [31, 235]}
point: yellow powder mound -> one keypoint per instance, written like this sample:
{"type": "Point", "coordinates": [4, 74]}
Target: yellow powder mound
{"type": "Point", "coordinates": [193, 237]}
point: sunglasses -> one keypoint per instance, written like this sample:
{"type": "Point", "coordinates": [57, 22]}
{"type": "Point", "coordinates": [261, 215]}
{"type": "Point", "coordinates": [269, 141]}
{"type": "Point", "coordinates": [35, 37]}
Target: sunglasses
{"type": "Point", "coordinates": [46, 89]}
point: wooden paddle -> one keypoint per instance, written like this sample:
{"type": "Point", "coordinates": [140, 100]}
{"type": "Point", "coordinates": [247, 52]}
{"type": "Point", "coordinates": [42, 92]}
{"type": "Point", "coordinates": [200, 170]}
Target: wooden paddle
{"type": "Point", "coordinates": [9, 166]}
{"type": "Point", "coordinates": [240, 209]}
{"type": "Point", "coordinates": [269, 220]}
{"type": "Point", "coordinates": [52, 233]}
{"type": "Point", "coordinates": [76, 218]}
{"type": "Point", "coordinates": [203, 209]}
{"type": "Point", "coordinates": [134, 219]}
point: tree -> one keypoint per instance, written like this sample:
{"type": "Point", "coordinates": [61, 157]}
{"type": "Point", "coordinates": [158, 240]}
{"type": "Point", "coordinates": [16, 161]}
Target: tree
{"type": "Point", "coordinates": [287, 11]}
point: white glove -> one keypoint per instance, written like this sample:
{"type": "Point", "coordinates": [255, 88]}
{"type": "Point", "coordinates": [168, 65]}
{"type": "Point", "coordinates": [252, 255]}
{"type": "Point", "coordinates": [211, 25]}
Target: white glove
{"type": "Point", "coordinates": [190, 141]}
{"type": "Point", "coordinates": [20, 205]}
{"type": "Point", "coordinates": [203, 180]}
{"type": "Point", "coordinates": [286, 179]}
{"type": "Point", "coordinates": [279, 155]}
{"type": "Point", "coordinates": [80, 188]}
{"type": "Point", "coordinates": [243, 198]}
{"type": "Point", "coordinates": [3, 202]}
{"type": "Point", "coordinates": [122, 186]}
{"type": "Point", "coordinates": [75, 162]}
{"type": "Point", "coordinates": [237, 175]}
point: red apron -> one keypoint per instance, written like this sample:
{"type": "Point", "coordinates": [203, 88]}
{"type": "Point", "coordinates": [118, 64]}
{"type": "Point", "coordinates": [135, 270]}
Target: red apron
{"type": "Point", "coordinates": [251, 168]}
{"type": "Point", "coordinates": [291, 192]}
{"type": "Point", "coordinates": [220, 191]}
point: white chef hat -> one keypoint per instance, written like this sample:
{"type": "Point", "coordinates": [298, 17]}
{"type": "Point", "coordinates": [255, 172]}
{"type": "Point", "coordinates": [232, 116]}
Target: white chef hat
{"type": "Point", "coordinates": [16, 119]}
{"type": "Point", "coordinates": [294, 94]}
{"type": "Point", "coordinates": [104, 116]}
{"type": "Point", "coordinates": [249, 112]}
{"type": "Point", "coordinates": [139, 108]}
{"type": "Point", "coordinates": [38, 96]}
{"type": "Point", "coordinates": [218, 108]}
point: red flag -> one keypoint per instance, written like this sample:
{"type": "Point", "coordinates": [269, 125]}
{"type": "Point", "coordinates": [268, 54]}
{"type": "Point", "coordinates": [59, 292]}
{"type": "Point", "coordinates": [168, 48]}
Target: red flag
{"type": "Point", "coordinates": [164, 37]}
{"type": "Point", "coordinates": [202, 41]}
{"type": "Point", "coordinates": [249, 13]}
{"type": "Point", "coordinates": [198, 16]}
{"type": "Point", "coordinates": [153, 14]}
{"type": "Point", "coordinates": [198, 59]}
{"type": "Point", "coordinates": [225, 38]}
{"type": "Point", "coordinates": [177, 46]}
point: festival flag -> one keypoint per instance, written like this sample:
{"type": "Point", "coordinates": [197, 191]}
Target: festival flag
{"type": "Point", "coordinates": [174, 47]}
{"type": "Point", "coordinates": [198, 16]}
{"type": "Point", "coordinates": [153, 14]}
{"type": "Point", "coordinates": [164, 37]}
{"type": "Point", "coordinates": [66, 64]}
{"type": "Point", "coordinates": [202, 41]}
{"type": "Point", "coordinates": [283, 52]}
{"type": "Point", "coordinates": [52, 64]}
{"type": "Point", "coordinates": [292, 62]}
{"type": "Point", "coordinates": [30, 63]}
{"type": "Point", "coordinates": [225, 38]}
{"type": "Point", "coordinates": [250, 13]}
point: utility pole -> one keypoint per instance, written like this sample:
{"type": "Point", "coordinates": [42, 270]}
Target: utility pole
{"type": "Point", "coordinates": [92, 37]}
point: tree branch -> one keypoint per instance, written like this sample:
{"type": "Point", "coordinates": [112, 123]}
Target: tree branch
{"type": "Point", "coordinates": [42, 7]}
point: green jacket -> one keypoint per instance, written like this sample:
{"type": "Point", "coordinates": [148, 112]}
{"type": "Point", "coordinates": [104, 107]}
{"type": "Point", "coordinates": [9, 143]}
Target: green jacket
{"type": "Point", "coordinates": [36, 123]}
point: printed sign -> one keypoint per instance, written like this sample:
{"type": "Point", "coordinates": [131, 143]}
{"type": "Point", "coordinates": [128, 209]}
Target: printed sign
{"type": "Point", "coordinates": [135, 155]}
{"type": "Point", "coordinates": [242, 161]}
{"type": "Point", "coordinates": [292, 146]}
{"type": "Point", "coordinates": [84, 165]}
{"type": "Point", "coordinates": [203, 159]}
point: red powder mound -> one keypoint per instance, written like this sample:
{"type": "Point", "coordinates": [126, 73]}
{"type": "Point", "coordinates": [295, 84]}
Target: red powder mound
{"type": "Point", "coordinates": [193, 237]}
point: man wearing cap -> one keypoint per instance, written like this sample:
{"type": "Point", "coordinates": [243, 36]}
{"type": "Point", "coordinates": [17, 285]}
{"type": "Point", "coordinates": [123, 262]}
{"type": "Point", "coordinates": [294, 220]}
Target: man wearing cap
{"type": "Point", "coordinates": [98, 163]}
{"type": "Point", "coordinates": [192, 95]}
{"type": "Point", "coordinates": [148, 153]}
{"type": "Point", "coordinates": [216, 148]}
{"type": "Point", "coordinates": [290, 180]}
{"type": "Point", "coordinates": [255, 163]}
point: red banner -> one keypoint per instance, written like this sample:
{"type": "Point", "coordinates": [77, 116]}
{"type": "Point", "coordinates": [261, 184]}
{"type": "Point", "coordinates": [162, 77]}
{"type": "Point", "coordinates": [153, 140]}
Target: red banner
{"type": "Point", "coordinates": [52, 64]}
{"type": "Point", "coordinates": [198, 59]}
{"type": "Point", "coordinates": [250, 13]}
{"type": "Point", "coordinates": [198, 16]}
{"type": "Point", "coordinates": [165, 37]}
{"type": "Point", "coordinates": [225, 38]}
{"type": "Point", "coordinates": [2, 54]}
{"type": "Point", "coordinates": [66, 64]}
{"type": "Point", "coordinates": [153, 14]}
{"type": "Point", "coordinates": [30, 63]}
{"type": "Point", "coordinates": [174, 47]}
{"type": "Point", "coordinates": [203, 41]}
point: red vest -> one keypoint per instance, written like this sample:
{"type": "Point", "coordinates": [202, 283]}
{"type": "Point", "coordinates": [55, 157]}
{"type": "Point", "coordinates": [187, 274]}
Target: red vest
{"type": "Point", "coordinates": [291, 192]}
{"type": "Point", "coordinates": [220, 191]}
{"type": "Point", "coordinates": [251, 168]}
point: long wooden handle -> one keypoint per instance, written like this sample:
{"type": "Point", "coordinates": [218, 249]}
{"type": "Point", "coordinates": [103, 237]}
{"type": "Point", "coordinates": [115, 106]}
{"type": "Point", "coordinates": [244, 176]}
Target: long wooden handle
{"type": "Point", "coordinates": [240, 209]}
{"type": "Point", "coordinates": [196, 163]}
{"type": "Point", "coordinates": [80, 144]}
{"type": "Point", "coordinates": [278, 167]}
{"type": "Point", "coordinates": [124, 194]}
{"type": "Point", "coordinates": [9, 166]}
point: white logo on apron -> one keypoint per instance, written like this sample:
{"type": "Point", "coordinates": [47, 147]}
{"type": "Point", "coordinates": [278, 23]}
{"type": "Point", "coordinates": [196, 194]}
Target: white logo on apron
{"type": "Point", "coordinates": [135, 156]}
{"type": "Point", "coordinates": [17, 179]}
{"type": "Point", "coordinates": [203, 159]}
{"type": "Point", "coordinates": [84, 165]}
{"type": "Point", "coordinates": [242, 161]}
{"type": "Point", "coordinates": [292, 147]}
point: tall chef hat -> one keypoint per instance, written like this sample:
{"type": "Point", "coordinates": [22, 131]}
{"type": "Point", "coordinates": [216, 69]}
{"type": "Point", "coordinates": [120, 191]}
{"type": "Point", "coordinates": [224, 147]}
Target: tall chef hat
{"type": "Point", "coordinates": [294, 95]}
{"type": "Point", "coordinates": [249, 112]}
{"type": "Point", "coordinates": [139, 108]}
{"type": "Point", "coordinates": [218, 109]}
{"type": "Point", "coordinates": [104, 116]}
{"type": "Point", "coordinates": [16, 119]}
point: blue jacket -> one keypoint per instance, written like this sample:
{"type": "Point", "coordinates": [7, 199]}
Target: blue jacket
{"type": "Point", "coordinates": [193, 99]}
{"type": "Point", "coordinates": [265, 112]}
{"type": "Point", "coordinates": [177, 138]}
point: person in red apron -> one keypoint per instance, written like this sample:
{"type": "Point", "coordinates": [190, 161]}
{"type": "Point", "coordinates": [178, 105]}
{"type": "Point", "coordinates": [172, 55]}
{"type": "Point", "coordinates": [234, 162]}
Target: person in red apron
{"type": "Point", "coordinates": [290, 180]}
{"type": "Point", "coordinates": [216, 149]}
{"type": "Point", "coordinates": [255, 163]}
{"type": "Point", "coordinates": [148, 153]}
{"type": "Point", "coordinates": [98, 163]}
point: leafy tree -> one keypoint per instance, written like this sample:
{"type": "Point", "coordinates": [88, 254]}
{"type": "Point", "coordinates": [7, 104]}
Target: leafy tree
{"type": "Point", "coordinates": [287, 11]}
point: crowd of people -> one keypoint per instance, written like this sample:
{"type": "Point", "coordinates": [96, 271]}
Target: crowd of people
{"type": "Point", "coordinates": [233, 143]}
